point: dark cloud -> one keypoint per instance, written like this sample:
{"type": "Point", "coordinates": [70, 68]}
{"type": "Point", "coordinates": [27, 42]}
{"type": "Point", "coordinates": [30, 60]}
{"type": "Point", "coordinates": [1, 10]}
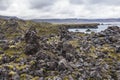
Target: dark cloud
{"type": "Point", "coordinates": [95, 2]}
{"type": "Point", "coordinates": [39, 4]}
{"type": "Point", "coordinates": [4, 4]}
{"type": "Point", "coordinates": [106, 2]}
{"type": "Point", "coordinates": [77, 1]}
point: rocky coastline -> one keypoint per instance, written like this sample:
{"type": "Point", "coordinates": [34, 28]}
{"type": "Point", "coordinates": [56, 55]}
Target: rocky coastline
{"type": "Point", "coordinates": [62, 56]}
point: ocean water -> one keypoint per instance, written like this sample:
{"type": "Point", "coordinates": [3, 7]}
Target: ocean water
{"type": "Point", "coordinates": [100, 28]}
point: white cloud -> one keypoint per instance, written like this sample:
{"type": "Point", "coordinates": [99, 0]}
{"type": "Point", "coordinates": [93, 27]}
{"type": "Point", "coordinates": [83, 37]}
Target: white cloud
{"type": "Point", "coordinates": [4, 4]}
{"type": "Point", "coordinates": [60, 8]}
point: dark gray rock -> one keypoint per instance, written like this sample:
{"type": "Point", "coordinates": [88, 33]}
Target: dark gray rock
{"type": "Point", "coordinates": [1, 52]}
{"type": "Point", "coordinates": [31, 48]}
{"type": "Point", "coordinates": [117, 49]}
{"type": "Point", "coordinates": [5, 46]}
{"type": "Point", "coordinates": [52, 65]}
{"type": "Point", "coordinates": [31, 39]}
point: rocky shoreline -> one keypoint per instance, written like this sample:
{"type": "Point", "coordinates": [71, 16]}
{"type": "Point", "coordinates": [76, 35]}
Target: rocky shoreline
{"type": "Point", "coordinates": [63, 56]}
{"type": "Point", "coordinates": [90, 25]}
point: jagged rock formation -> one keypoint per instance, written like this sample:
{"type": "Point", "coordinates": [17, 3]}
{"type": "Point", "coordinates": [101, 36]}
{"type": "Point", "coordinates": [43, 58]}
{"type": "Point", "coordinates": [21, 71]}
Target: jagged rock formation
{"type": "Point", "coordinates": [31, 39]}
{"type": "Point", "coordinates": [64, 34]}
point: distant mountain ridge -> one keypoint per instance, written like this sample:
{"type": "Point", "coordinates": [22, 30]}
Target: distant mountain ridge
{"type": "Point", "coordinates": [8, 17]}
{"type": "Point", "coordinates": [75, 20]}
{"type": "Point", "coordinates": [67, 20]}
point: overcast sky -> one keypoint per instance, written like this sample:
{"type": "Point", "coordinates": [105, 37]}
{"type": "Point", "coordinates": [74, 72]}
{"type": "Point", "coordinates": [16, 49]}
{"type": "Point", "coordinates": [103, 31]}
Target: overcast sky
{"type": "Point", "coordinates": [28, 9]}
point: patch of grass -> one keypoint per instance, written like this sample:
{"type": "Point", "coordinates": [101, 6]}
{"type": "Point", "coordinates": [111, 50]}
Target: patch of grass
{"type": "Point", "coordinates": [35, 78]}
{"type": "Point", "coordinates": [74, 43]}
{"type": "Point", "coordinates": [10, 52]}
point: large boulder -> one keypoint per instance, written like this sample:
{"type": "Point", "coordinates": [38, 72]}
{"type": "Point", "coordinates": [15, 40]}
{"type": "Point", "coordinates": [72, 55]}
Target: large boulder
{"type": "Point", "coordinates": [64, 34]}
{"type": "Point", "coordinates": [31, 39]}
{"type": "Point", "coordinates": [31, 48]}
{"type": "Point", "coordinates": [31, 36]}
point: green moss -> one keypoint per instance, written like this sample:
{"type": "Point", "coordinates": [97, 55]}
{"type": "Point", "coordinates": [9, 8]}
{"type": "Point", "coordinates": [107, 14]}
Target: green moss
{"type": "Point", "coordinates": [74, 43]}
{"type": "Point", "coordinates": [47, 30]}
{"type": "Point", "coordinates": [10, 66]}
{"type": "Point", "coordinates": [1, 49]}
{"type": "Point", "coordinates": [92, 79]}
{"type": "Point", "coordinates": [52, 40]}
{"type": "Point", "coordinates": [0, 57]}
{"type": "Point", "coordinates": [32, 62]}
{"type": "Point", "coordinates": [113, 55]}
{"type": "Point", "coordinates": [20, 67]}
{"type": "Point", "coordinates": [107, 49]}
{"type": "Point", "coordinates": [12, 73]}
{"type": "Point", "coordinates": [66, 78]}
{"type": "Point", "coordinates": [15, 49]}
{"type": "Point", "coordinates": [109, 61]}
{"type": "Point", "coordinates": [21, 56]}
{"type": "Point", "coordinates": [10, 52]}
{"type": "Point", "coordinates": [49, 77]}
{"type": "Point", "coordinates": [80, 34]}
{"type": "Point", "coordinates": [92, 52]}
{"type": "Point", "coordinates": [36, 78]}
{"type": "Point", "coordinates": [23, 76]}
